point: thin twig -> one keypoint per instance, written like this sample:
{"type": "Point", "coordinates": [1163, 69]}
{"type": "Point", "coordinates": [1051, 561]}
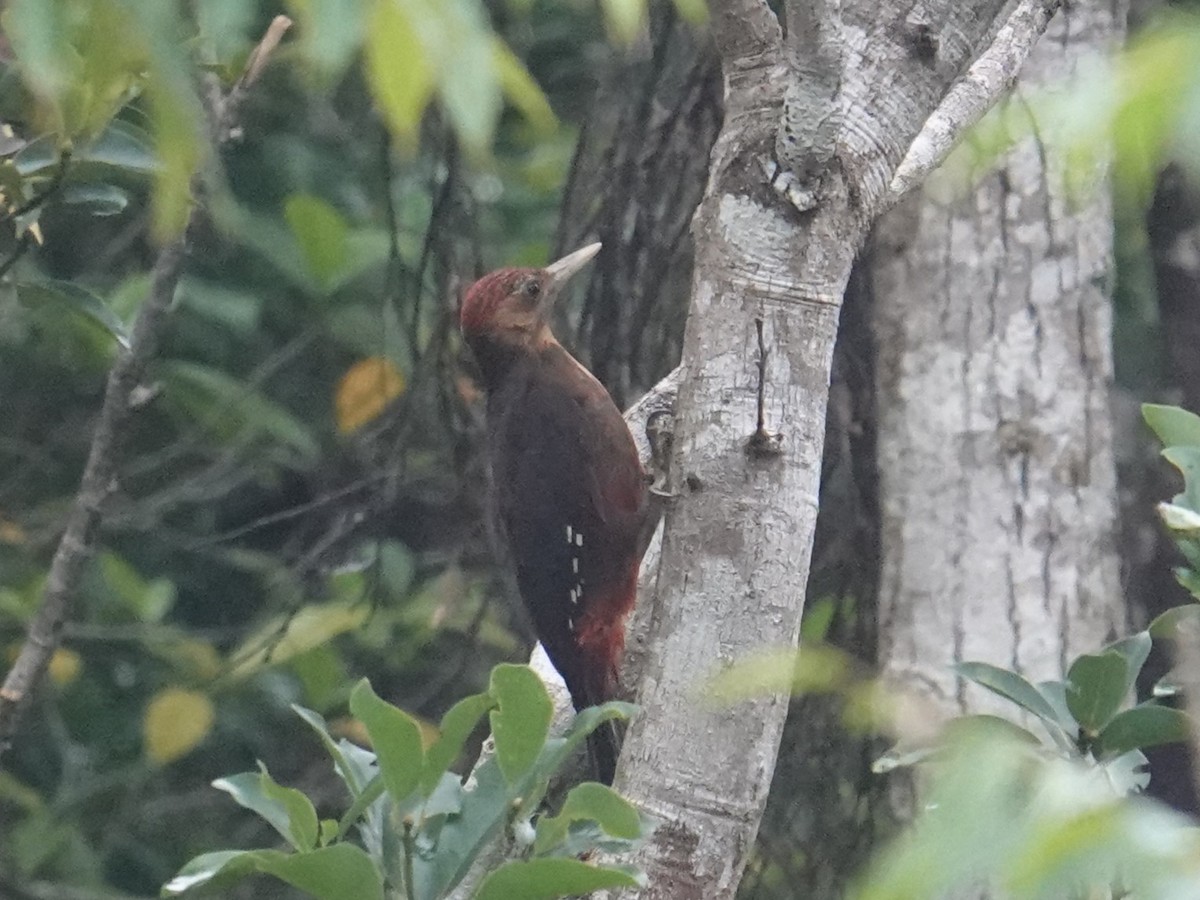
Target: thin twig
{"type": "Point", "coordinates": [78, 542]}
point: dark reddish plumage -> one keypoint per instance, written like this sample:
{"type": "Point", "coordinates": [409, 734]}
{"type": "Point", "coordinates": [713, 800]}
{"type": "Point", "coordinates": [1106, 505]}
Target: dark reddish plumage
{"type": "Point", "coordinates": [570, 491]}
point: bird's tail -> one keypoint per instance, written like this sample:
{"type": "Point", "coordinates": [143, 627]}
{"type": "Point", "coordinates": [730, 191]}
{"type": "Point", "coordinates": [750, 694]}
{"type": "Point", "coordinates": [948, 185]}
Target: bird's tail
{"type": "Point", "coordinates": [604, 744]}
{"type": "Point", "coordinates": [601, 644]}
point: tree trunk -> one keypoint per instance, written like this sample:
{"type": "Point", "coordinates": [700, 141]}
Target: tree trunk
{"type": "Point", "coordinates": [997, 482]}
{"type": "Point", "coordinates": [804, 163]}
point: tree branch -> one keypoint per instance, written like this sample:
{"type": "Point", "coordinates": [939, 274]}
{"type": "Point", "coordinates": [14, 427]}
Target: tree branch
{"type": "Point", "coordinates": [79, 539]}
{"type": "Point", "coordinates": [989, 78]}
{"type": "Point", "coordinates": [812, 118]}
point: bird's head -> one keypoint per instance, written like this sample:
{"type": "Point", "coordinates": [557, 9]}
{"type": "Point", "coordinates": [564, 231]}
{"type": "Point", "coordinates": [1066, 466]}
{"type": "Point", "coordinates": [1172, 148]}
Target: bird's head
{"type": "Point", "coordinates": [511, 306]}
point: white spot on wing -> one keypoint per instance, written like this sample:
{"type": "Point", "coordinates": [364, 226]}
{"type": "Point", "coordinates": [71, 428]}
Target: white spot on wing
{"type": "Point", "coordinates": [568, 534]}
{"type": "Point", "coordinates": [575, 564]}
{"type": "Point", "coordinates": [579, 539]}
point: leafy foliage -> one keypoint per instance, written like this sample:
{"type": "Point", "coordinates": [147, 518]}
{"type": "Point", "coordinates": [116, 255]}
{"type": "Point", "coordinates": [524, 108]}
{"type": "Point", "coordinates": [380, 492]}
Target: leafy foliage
{"type": "Point", "coordinates": [1051, 829]}
{"type": "Point", "coordinates": [1083, 715]}
{"type": "Point", "coordinates": [424, 829]}
{"type": "Point", "coordinates": [1044, 811]}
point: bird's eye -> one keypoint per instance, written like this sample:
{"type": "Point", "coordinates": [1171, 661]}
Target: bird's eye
{"type": "Point", "coordinates": [531, 288]}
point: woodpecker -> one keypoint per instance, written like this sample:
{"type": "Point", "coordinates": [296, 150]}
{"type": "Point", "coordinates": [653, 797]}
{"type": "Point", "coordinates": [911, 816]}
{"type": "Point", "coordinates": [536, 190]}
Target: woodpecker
{"type": "Point", "coordinates": [569, 491]}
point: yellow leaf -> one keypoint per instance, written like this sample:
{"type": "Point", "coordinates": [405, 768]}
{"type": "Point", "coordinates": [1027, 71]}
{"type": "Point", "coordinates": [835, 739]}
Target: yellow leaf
{"type": "Point", "coordinates": [365, 391]}
{"type": "Point", "coordinates": [398, 71]}
{"type": "Point", "coordinates": [11, 532]}
{"type": "Point", "coordinates": [64, 666]}
{"type": "Point", "coordinates": [176, 720]}
{"type": "Point", "coordinates": [197, 659]}
{"type": "Point", "coordinates": [520, 88]}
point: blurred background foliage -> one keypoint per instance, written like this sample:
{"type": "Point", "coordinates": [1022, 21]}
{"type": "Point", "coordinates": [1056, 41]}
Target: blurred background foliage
{"type": "Point", "coordinates": [301, 495]}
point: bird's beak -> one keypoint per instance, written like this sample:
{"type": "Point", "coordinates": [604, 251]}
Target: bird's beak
{"type": "Point", "coordinates": [560, 272]}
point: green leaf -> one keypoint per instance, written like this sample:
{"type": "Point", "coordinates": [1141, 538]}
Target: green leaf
{"type": "Point", "coordinates": [321, 232]}
{"type": "Point", "coordinates": [224, 27]}
{"type": "Point", "coordinates": [458, 42]}
{"type": "Point", "coordinates": [284, 637]}
{"type": "Point", "coordinates": [457, 724]}
{"type": "Point", "coordinates": [39, 36]}
{"type": "Point", "coordinates": [288, 811]}
{"type": "Point", "coordinates": [990, 727]}
{"type": "Point", "coordinates": [97, 199]}
{"type": "Point", "coordinates": [818, 617]}
{"type": "Point", "coordinates": [339, 872]}
{"type": "Point", "coordinates": [1174, 426]}
{"type": "Point", "coordinates": [1188, 579]}
{"type": "Point", "coordinates": [1096, 688]}
{"type": "Point", "coordinates": [1055, 693]}
{"type": "Point", "coordinates": [395, 737]}
{"type": "Point", "coordinates": [546, 879]}
{"type": "Point", "coordinates": [179, 147]}
{"type": "Point", "coordinates": [1147, 725]}
{"type": "Point", "coordinates": [446, 799]}
{"type": "Point", "coordinates": [594, 802]}
{"type": "Point", "coordinates": [232, 409]}
{"type": "Point", "coordinates": [521, 719]}
{"type": "Point", "coordinates": [213, 871]}
{"type": "Point", "coordinates": [373, 790]}
{"type": "Point", "coordinates": [814, 668]}
{"type": "Point", "coordinates": [958, 730]}
{"type": "Point", "coordinates": [148, 600]}
{"type": "Point", "coordinates": [1134, 650]}
{"type": "Point", "coordinates": [75, 300]}
{"type": "Point", "coordinates": [558, 750]}
{"type": "Point", "coordinates": [487, 805]}
{"type": "Point", "coordinates": [1048, 859]}
{"type": "Point", "coordinates": [626, 18]}
{"type": "Point", "coordinates": [1010, 686]}
{"type": "Point", "coordinates": [303, 826]}
{"type": "Point", "coordinates": [1187, 461]}
{"type": "Point", "coordinates": [328, 832]}
{"type": "Point", "coordinates": [398, 72]}
{"type": "Point", "coordinates": [330, 32]}
{"type": "Point", "coordinates": [237, 310]}
{"type": "Point", "coordinates": [692, 11]}
{"type": "Point", "coordinates": [121, 146]}
{"type": "Point", "coordinates": [395, 568]}
{"type": "Point", "coordinates": [1176, 623]}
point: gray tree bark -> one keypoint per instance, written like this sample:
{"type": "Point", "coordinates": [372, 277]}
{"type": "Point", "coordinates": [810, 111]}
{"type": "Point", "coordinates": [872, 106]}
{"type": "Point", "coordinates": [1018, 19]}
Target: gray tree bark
{"type": "Point", "coordinates": [803, 165]}
{"type": "Point", "coordinates": [997, 479]}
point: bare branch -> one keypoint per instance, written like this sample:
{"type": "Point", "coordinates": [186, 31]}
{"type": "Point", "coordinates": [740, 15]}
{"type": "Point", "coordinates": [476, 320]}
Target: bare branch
{"type": "Point", "coordinates": [988, 79]}
{"type": "Point", "coordinates": [79, 539]}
